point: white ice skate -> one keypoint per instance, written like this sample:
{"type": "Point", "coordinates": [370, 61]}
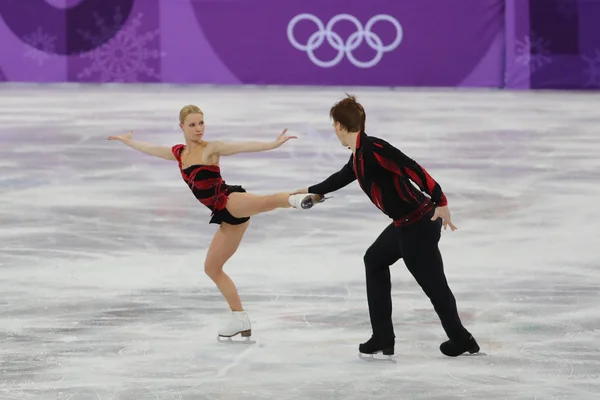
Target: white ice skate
{"type": "Point", "coordinates": [239, 324]}
{"type": "Point", "coordinates": [306, 200]}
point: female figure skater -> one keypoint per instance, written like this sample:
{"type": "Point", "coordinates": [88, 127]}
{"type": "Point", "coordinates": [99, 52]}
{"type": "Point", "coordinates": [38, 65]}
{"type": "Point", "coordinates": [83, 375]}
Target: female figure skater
{"type": "Point", "coordinates": [231, 206]}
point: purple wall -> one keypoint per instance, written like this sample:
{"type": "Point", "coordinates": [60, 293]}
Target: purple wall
{"type": "Point", "coordinates": [472, 43]}
{"type": "Point", "coordinates": [553, 44]}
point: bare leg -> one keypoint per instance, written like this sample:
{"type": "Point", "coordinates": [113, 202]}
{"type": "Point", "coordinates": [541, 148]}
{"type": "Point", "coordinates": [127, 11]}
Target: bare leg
{"type": "Point", "coordinates": [224, 244]}
{"type": "Point", "coordinates": [242, 205]}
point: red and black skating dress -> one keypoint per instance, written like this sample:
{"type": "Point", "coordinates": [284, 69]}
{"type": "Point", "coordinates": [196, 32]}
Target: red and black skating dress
{"type": "Point", "coordinates": [209, 188]}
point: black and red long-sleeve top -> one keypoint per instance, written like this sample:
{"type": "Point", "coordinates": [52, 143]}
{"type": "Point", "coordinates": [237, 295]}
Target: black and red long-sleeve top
{"type": "Point", "coordinates": [385, 174]}
{"type": "Point", "coordinates": [204, 181]}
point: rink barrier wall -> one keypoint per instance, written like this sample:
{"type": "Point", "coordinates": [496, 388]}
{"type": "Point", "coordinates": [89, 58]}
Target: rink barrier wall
{"type": "Point", "coordinates": [517, 44]}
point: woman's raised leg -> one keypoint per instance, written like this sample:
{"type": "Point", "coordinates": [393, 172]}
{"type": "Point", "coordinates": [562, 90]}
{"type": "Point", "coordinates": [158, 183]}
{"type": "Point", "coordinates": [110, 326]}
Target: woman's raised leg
{"type": "Point", "coordinates": [242, 205]}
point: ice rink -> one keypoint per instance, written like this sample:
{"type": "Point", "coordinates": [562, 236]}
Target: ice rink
{"type": "Point", "coordinates": [104, 297]}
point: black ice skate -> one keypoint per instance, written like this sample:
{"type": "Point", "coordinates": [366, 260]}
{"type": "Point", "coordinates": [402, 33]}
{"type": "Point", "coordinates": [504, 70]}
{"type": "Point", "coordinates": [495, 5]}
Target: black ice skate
{"type": "Point", "coordinates": [454, 349]}
{"type": "Point", "coordinates": [374, 348]}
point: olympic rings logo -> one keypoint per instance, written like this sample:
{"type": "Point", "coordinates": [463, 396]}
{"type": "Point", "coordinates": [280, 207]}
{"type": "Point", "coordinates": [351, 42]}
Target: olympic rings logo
{"type": "Point", "coordinates": [344, 48]}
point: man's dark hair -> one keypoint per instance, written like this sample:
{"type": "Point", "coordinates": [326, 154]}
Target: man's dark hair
{"type": "Point", "coordinates": [349, 113]}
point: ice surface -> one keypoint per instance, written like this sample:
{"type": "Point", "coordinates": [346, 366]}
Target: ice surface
{"type": "Point", "coordinates": [103, 294]}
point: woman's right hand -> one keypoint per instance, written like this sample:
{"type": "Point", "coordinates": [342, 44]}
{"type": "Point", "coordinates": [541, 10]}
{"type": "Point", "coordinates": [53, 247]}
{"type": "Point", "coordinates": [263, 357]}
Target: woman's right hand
{"type": "Point", "coordinates": [121, 138]}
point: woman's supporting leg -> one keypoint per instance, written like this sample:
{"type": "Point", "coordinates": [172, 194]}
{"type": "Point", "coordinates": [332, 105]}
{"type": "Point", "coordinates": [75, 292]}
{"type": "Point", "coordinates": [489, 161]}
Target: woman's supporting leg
{"type": "Point", "coordinates": [224, 245]}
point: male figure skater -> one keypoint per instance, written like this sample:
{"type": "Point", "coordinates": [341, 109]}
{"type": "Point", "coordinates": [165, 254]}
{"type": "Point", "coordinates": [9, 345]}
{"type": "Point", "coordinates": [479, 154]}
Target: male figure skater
{"type": "Point", "coordinates": [384, 174]}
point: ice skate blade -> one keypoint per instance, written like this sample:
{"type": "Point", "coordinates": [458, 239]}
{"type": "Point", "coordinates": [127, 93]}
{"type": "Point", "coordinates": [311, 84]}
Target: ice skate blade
{"type": "Point", "coordinates": [377, 357]}
{"type": "Point", "coordinates": [309, 202]}
{"type": "Point", "coordinates": [478, 354]}
{"type": "Point", "coordinates": [238, 340]}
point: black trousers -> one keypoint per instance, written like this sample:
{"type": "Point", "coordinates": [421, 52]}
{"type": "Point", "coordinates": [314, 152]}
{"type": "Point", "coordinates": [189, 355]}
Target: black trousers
{"type": "Point", "coordinates": [417, 244]}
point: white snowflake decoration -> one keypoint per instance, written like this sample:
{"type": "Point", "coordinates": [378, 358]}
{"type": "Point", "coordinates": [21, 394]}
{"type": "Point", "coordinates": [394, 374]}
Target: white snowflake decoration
{"type": "Point", "coordinates": [40, 46]}
{"type": "Point", "coordinates": [593, 69]}
{"type": "Point", "coordinates": [106, 31]}
{"type": "Point", "coordinates": [124, 57]}
{"type": "Point", "coordinates": [536, 45]}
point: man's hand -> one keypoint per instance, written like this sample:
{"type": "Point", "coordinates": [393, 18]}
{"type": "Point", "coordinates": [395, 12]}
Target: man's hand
{"type": "Point", "coordinates": [444, 214]}
{"type": "Point", "coordinates": [300, 191]}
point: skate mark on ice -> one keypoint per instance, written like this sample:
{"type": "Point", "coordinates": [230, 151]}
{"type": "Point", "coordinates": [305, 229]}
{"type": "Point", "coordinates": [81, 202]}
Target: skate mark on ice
{"type": "Point", "coordinates": [236, 361]}
{"type": "Point", "coordinates": [152, 391]}
{"type": "Point", "coordinates": [307, 323]}
{"type": "Point", "coordinates": [209, 379]}
{"type": "Point", "coordinates": [81, 390]}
